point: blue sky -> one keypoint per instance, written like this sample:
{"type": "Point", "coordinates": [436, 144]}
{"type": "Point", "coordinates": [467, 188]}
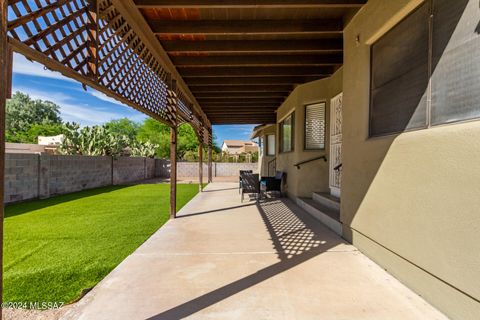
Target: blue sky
{"type": "Point", "coordinates": [89, 107]}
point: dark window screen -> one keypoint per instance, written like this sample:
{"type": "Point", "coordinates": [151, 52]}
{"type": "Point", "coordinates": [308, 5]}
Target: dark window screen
{"type": "Point", "coordinates": [456, 61]}
{"type": "Point", "coordinates": [400, 76]}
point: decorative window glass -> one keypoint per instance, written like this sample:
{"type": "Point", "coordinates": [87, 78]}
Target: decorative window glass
{"type": "Point", "coordinates": [315, 126]}
{"type": "Point", "coordinates": [287, 133]}
{"type": "Point", "coordinates": [270, 145]}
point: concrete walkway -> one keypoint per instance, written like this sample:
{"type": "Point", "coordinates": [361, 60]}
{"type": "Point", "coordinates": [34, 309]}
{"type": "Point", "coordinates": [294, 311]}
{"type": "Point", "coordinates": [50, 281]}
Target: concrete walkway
{"type": "Point", "coordinates": [222, 259]}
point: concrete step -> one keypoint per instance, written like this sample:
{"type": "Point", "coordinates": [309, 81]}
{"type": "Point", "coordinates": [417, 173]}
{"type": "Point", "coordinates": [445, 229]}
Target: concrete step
{"type": "Point", "coordinates": [326, 215]}
{"type": "Point", "coordinates": [327, 200]}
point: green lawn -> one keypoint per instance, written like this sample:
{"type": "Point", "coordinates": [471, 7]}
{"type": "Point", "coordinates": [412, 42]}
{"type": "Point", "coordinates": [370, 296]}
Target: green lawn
{"type": "Point", "coordinates": [58, 247]}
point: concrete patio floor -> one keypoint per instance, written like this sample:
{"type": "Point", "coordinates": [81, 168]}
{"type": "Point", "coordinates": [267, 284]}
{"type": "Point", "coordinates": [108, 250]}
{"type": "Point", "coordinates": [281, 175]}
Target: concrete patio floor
{"type": "Point", "coordinates": [222, 259]}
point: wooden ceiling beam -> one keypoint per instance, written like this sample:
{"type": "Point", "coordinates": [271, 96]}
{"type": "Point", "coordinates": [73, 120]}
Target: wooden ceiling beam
{"type": "Point", "coordinates": [220, 105]}
{"type": "Point", "coordinates": [254, 46]}
{"type": "Point", "coordinates": [255, 71]}
{"type": "Point", "coordinates": [212, 4]}
{"type": "Point", "coordinates": [229, 113]}
{"type": "Point", "coordinates": [258, 60]}
{"type": "Point", "coordinates": [230, 108]}
{"type": "Point", "coordinates": [233, 81]}
{"type": "Point", "coordinates": [249, 101]}
{"type": "Point", "coordinates": [242, 95]}
{"type": "Point", "coordinates": [252, 121]}
{"type": "Point", "coordinates": [242, 88]}
{"type": "Point", "coordinates": [246, 27]}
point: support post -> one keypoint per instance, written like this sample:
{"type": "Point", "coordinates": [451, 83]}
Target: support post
{"type": "Point", "coordinates": [172, 104]}
{"type": "Point", "coordinates": [173, 172]}
{"type": "Point", "coordinates": [210, 178]}
{"type": "Point", "coordinates": [200, 166]}
{"type": "Point", "coordinates": [4, 83]}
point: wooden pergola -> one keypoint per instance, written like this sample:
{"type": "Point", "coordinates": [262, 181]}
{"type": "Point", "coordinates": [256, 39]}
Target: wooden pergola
{"type": "Point", "coordinates": [200, 62]}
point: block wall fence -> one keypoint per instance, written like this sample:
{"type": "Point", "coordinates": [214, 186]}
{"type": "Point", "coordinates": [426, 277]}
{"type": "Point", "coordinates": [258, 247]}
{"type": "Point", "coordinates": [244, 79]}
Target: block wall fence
{"type": "Point", "coordinates": [31, 176]}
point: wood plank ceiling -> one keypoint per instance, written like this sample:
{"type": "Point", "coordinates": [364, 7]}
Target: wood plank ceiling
{"type": "Point", "coordinates": [242, 58]}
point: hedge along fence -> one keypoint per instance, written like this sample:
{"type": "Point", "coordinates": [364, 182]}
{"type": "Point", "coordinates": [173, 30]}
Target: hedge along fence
{"type": "Point", "coordinates": [31, 176]}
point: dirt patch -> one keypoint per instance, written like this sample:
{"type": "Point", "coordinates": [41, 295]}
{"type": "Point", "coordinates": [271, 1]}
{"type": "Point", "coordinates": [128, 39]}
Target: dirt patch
{"type": "Point", "coordinates": [31, 314]}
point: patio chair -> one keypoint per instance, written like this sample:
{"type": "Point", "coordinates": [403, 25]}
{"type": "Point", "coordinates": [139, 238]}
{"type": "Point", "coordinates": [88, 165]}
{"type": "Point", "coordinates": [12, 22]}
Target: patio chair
{"type": "Point", "coordinates": [240, 178]}
{"type": "Point", "coordinates": [250, 184]}
{"type": "Point", "coordinates": [272, 183]}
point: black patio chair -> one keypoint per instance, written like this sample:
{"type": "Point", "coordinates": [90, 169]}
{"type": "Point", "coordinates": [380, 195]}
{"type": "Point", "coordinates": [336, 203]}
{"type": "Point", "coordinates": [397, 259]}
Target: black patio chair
{"type": "Point", "coordinates": [273, 183]}
{"type": "Point", "coordinates": [250, 184]}
{"type": "Point", "coordinates": [240, 178]}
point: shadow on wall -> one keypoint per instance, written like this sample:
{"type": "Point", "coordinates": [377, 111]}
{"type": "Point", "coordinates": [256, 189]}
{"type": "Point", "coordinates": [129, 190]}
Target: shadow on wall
{"type": "Point", "coordinates": [381, 146]}
{"type": "Point", "coordinates": [296, 239]}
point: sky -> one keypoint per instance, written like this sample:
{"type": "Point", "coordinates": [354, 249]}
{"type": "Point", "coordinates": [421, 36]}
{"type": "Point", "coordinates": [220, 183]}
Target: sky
{"type": "Point", "coordinates": [89, 107]}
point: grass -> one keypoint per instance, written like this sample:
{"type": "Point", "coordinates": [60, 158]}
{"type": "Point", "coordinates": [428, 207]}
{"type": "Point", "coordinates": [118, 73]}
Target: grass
{"type": "Point", "coordinates": [56, 248]}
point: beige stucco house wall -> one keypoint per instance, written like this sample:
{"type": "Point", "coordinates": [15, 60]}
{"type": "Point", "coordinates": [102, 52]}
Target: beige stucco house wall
{"type": "Point", "coordinates": [312, 176]}
{"type": "Point", "coordinates": [411, 201]}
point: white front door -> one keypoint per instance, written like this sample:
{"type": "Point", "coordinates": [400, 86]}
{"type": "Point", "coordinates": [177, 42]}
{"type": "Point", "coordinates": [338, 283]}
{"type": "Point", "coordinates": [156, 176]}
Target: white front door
{"type": "Point", "coordinates": [336, 144]}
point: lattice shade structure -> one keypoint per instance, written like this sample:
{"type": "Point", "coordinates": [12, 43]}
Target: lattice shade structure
{"type": "Point", "coordinates": [91, 41]}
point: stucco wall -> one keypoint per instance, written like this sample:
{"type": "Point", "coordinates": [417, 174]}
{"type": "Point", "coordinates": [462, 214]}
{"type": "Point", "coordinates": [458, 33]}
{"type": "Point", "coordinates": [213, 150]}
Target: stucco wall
{"type": "Point", "coordinates": [264, 159]}
{"type": "Point", "coordinates": [410, 201]}
{"type": "Point", "coordinates": [312, 176]}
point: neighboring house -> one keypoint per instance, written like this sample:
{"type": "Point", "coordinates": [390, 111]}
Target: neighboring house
{"type": "Point", "coordinates": [51, 140]}
{"type": "Point", "coordinates": [236, 147]}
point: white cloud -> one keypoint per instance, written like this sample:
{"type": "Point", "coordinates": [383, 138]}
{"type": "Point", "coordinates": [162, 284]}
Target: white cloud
{"type": "Point", "coordinates": [22, 65]}
{"type": "Point", "coordinates": [81, 113]}
{"type": "Point", "coordinates": [104, 97]}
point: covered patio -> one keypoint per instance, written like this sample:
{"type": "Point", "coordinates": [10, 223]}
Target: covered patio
{"type": "Point", "coordinates": [221, 259]}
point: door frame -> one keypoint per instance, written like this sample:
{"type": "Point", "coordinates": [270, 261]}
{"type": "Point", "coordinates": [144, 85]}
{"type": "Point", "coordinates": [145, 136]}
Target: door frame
{"type": "Point", "coordinates": [335, 145]}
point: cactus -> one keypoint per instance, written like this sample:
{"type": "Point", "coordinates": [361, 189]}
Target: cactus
{"type": "Point", "coordinates": [99, 141]}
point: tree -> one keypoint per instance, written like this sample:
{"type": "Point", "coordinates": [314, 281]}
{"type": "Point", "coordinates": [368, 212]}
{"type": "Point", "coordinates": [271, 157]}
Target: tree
{"type": "Point", "coordinates": [124, 127]}
{"type": "Point", "coordinates": [24, 113]}
{"type": "Point", "coordinates": [159, 134]}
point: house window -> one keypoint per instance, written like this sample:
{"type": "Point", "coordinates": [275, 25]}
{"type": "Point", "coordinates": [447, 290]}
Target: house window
{"type": "Point", "coordinates": [315, 126]}
{"type": "Point", "coordinates": [423, 70]}
{"type": "Point", "coordinates": [399, 79]}
{"type": "Point", "coordinates": [287, 134]}
{"type": "Point", "coordinates": [270, 145]}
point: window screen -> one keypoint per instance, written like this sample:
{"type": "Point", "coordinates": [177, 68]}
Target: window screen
{"type": "Point", "coordinates": [399, 76]}
{"type": "Point", "coordinates": [456, 61]}
{"type": "Point", "coordinates": [271, 145]}
{"type": "Point", "coordinates": [315, 126]}
{"type": "Point", "coordinates": [400, 63]}
{"type": "Point", "coordinates": [286, 134]}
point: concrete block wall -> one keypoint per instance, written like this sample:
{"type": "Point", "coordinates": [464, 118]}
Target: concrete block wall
{"type": "Point", "coordinates": [128, 169]}
{"type": "Point", "coordinates": [74, 173]}
{"type": "Point", "coordinates": [150, 168]}
{"type": "Point", "coordinates": [232, 169]}
{"type": "Point", "coordinates": [190, 169]}
{"type": "Point", "coordinates": [30, 176]}
{"type": "Point", "coordinates": [21, 177]}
